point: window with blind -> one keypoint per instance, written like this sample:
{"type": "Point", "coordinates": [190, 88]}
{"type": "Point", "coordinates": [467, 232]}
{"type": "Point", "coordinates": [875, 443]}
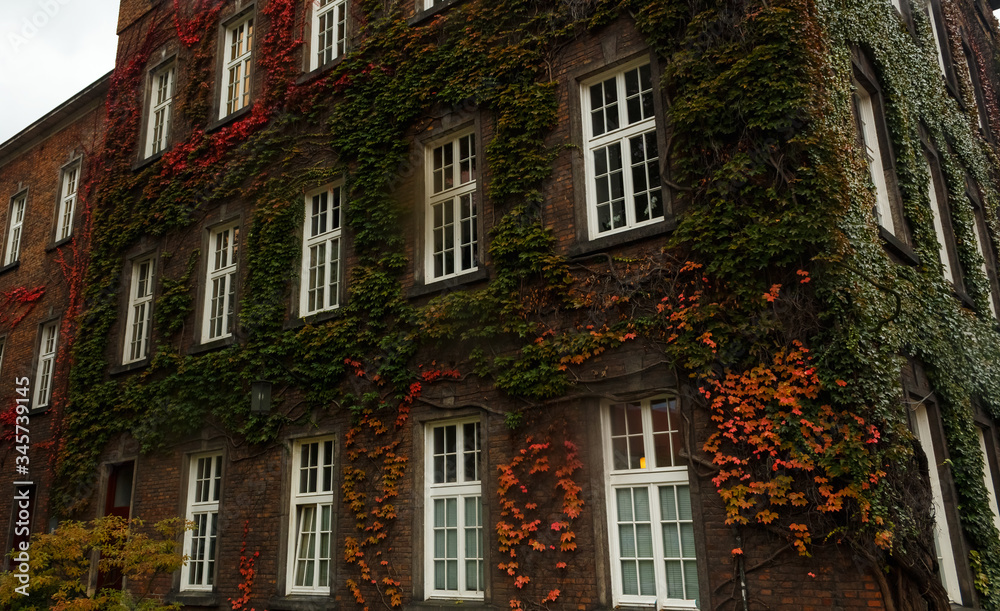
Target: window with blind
{"type": "Point", "coordinates": [651, 528]}
{"type": "Point", "coordinates": [453, 520]}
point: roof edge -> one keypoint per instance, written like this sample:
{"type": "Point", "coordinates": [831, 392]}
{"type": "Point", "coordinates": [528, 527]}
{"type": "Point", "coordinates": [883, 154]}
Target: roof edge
{"type": "Point", "coordinates": [51, 119]}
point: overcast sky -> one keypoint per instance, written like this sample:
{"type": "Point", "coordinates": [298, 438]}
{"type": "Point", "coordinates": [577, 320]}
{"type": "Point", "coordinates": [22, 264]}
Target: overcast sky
{"type": "Point", "coordinates": [50, 50]}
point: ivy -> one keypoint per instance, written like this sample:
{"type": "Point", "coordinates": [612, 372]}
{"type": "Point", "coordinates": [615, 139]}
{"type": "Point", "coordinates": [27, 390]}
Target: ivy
{"type": "Point", "coordinates": [773, 299]}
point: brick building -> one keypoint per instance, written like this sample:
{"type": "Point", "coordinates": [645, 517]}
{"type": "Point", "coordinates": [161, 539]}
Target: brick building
{"type": "Point", "coordinates": [44, 169]}
{"type": "Point", "coordinates": [424, 303]}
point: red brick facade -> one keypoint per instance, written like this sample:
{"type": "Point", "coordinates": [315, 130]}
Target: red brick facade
{"type": "Point", "coordinates": [255, 513]}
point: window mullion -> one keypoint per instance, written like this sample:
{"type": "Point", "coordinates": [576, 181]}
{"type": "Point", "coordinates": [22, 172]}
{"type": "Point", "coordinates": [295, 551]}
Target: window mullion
{"type": "Point", "coordinates": [659, 553]}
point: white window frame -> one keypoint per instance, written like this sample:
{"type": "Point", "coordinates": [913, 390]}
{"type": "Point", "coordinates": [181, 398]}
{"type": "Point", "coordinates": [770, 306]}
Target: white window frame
{"type": "Point", "coordinates": [452, 212]}
{"type": "Point", "coordinates": [329, 31]}
{"type": "Point", "coordinates": [48, 346]}
{"type": "Point", "coordinates": [69, 186]}
{"type": "Point", "coordinates": [465, 489]}
{"type": "Point", "coordinates": [938, 217]}
{"type": "Point", "coordinates": [621, 137]}
{"type": "Point", "coordinates": [429, 4]}
{"type": "Point", "coordinates": [936, 34]}
{"type": "Point", "coordinates": [313, 483]}
{"type": "Point", "coordinates": [3, 344]}
{"type": "Point", "coordinates": [322, 246]}
{"type": "Point", "coordinates": [977, 230]}
{"type": "Point", "coordinates": [202, 548]}
{"type": "Point", "coordinates": [219, 311]}
{"type": "Point", "coordinates": [874, 155]}
{"type": "Point", "coordinates": [15, 227]}
{"type": "Point", "coordinates": [942, 532]}
{"type": "Point", "coordinates": [161, 97]}
{"type": "Point", "coordinates": [991, 490]}
{"type": "Point", "coordinates": [647, 476]}
{"type": "Point", "coordinates": [237, 66]}
{"type": "Point", "coordinates": [138, 319]}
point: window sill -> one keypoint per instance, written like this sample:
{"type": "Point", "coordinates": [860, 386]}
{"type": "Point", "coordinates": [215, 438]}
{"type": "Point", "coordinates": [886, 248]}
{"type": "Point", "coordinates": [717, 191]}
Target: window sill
{"type": "Point", "coordinates": [54, 245]}
{"type": "Point", "coordinates": [668, 224]}
{"type": "Point", "coordinates": [424, 15]}
{"type": "Point", "coordinates": [230, 118]}
{"type": "Point", "coordinates": [470, 604]}
{"type": "Point", "coordinates": [215, 344]}
{"type": "Point", "coordinates": [318, 72]}
{"type": "Point", "coordinates": [10, 267]}
{"type": "Point", "coordinates": [148, 161]}
{"type": "Point", "coordinates": [38, 411]}
{"type": "Point", "coordinates": [439, 286]}
{"type": "Point", "coordinates": [313, 319]}
{"type": "Point", "coordinates": [194, 598]}
{"type": "Point", "coordinates": [965, 300]}
{"type": "Point", "coordinates": [302, 602]}
{"type": "Point", "coordinates": [134, 365]}
{"type": "Point", "coordinates": [897, 247]}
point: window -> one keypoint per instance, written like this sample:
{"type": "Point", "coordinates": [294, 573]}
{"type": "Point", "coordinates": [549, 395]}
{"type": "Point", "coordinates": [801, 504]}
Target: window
{"type": "Point", "coordinates": [329, 31]}
{"type": "Point", "coordinates": [453, 217]}
{"type": "Point", "coordinates": [868, 129]}
{"type": "Point", "coordinates": [140, 310]}
{"type": "Point", "coordinates": [238, 54]}
{"type": "Point", "coordinates": [453, 514]}
{"type": "Point", "coordinates": [991, 490]}
{"type": "Point", "coordinates": [311, 540]}
{"type": "Point", "coordinates": [200, 544]}
{"type": "Point", "coordinates": [220, 289]}
{"type": "Point", "coordinates": [14, 229]}
{"type": "Point", "coordinates": [942, 533]}
{"type": "Point", "coordinates": [651, 519]}
{"type": "Point", "coordinates": [979, 105]}
{"type": "Point", "coordinates": [321, 251]}
{"type": "Point", "coordinates": [46, 364]}
{"type": "Point", "coordinates": [936, 32]}
{"type": "Point", "coordinates": [622, 160]}
{"type": "Point", "coordinates": [979, 232]}
{"type": "Point", "coordinates": [161, 98]}
{"type": "Point", "coordinates": [429, 4]}
{"type": "Point", "coordinates": [940, 215]}
{"type": "Point", "coordinates": [67, 201]}
{"type": "Point", "coordinates": [3, 342]}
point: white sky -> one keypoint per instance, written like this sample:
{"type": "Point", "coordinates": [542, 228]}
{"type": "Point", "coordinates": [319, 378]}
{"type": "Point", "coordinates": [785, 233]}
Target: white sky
{"type": "Point", "coordinates": [50, 50]}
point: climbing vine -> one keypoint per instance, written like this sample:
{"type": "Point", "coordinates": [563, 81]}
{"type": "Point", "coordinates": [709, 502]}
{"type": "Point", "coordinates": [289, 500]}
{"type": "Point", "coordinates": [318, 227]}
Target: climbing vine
{"type": "Point", "coordinates": [773, 300]}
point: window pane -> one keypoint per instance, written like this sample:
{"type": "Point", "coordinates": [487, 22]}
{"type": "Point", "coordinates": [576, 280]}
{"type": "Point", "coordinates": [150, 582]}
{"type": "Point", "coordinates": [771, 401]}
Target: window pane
{"type": "Point", "coordinates": [691, 581]}
{"type": "Point", "coordinates": [630, 578]}
{"type": "Point", "coordinates": [624, 498]}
